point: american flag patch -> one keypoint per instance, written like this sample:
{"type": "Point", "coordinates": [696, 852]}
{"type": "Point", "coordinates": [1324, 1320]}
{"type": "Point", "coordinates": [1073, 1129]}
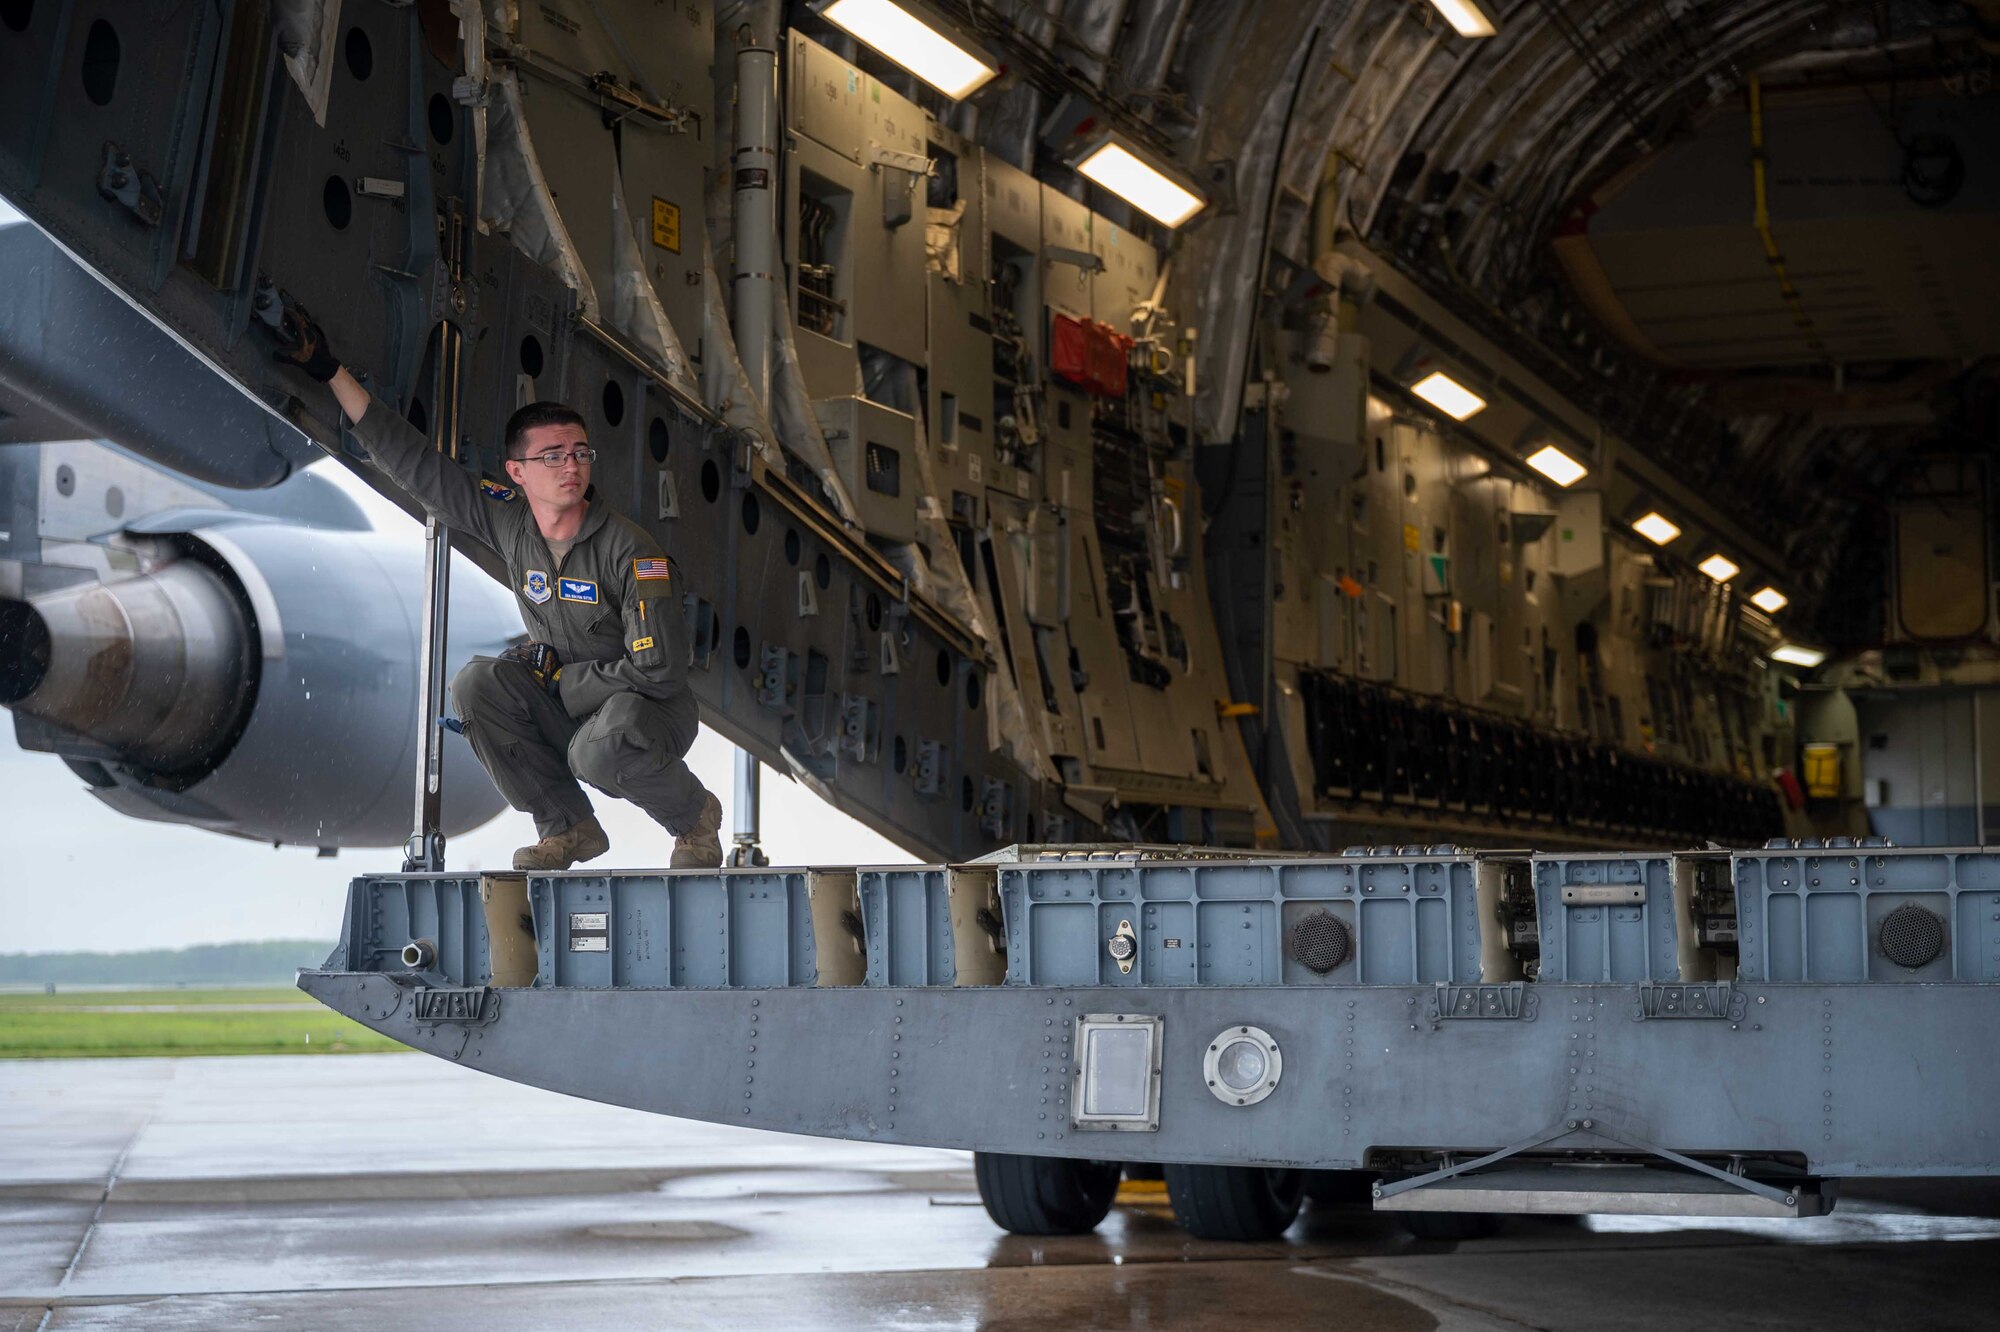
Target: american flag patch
{"type": "Point", "coordinates": [650, 569]}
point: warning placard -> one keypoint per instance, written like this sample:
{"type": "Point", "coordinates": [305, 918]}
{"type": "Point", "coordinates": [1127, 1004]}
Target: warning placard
{"type": "Point", "coordinates": [666, 225]}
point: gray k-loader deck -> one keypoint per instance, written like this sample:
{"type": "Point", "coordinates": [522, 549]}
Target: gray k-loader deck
{"type": "Point", "coordinates": [1451, 1034]}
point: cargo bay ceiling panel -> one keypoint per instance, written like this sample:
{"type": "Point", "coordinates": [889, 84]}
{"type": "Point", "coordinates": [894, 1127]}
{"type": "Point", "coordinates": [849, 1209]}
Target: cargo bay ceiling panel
{"type": "Point", "coordinates": [1881, 237]}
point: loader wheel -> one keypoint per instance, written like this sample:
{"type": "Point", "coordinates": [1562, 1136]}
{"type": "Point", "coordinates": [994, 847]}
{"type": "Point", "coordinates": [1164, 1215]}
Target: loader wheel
{"type": "Point", "coordinates": [1340, 1188]}
{"type": "Point", "coordinates": [1044, 1195]}
{"type": "Point", "coordinates": [1235, 1202]}
{"type": "Point", "coordinates": [1451, 1225]}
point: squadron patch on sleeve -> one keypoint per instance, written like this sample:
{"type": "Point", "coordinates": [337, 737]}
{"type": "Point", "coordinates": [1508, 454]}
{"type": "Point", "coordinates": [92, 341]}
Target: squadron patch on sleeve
{"type": "Point", "coordinates": [646, 569]}
{"type": "Point", "coordinates": [493, 490]}
{"type": "Point", "coordinates": [536, 586]}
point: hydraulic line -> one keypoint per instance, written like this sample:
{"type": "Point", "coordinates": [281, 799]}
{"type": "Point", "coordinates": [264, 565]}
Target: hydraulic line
{"type": "Point", "coordinates": [1761, 219]}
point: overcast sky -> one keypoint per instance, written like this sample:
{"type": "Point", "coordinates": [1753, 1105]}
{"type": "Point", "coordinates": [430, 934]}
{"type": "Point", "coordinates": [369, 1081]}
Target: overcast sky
{"type": "Point", "coordinates": [73, 874]}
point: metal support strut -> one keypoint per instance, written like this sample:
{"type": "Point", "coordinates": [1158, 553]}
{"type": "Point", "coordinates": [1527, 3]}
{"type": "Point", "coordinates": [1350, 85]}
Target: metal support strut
{"type": "Point", "coordinates": [754, 298]}
{"type": "Point", "coordinates": [755, 162]}
{"type": "Point", "coordinates": [425, 850]}
{"type": "Point", "coordinates": [745, 850]}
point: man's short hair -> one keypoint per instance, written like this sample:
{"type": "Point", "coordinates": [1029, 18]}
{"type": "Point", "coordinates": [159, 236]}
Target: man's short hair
{"type": "Point", "coordinates": [532, 417]}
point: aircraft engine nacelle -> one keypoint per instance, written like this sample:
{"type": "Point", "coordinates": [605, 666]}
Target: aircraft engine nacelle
{"type": "Point", "coordinates": [252, 677]}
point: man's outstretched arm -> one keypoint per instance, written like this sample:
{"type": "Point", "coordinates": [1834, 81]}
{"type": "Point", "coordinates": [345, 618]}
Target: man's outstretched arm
{"type": "Point", "coordinates": [394, 446]}
{"type": "Point", "coordinates": [353, 398]}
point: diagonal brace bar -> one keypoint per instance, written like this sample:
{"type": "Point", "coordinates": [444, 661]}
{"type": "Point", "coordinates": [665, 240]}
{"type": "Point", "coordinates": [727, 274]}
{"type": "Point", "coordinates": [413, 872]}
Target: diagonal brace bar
{"type": "Point", "coordinates": [1565, 1129]}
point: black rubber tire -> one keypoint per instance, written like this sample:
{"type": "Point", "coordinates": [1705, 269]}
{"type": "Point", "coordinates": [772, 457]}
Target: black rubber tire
{"type": "Point", "coordinates": [1239, 1203]}
{"type": "Point", "coordinates": [1455, 1226]}
{"type": "Point", "coordinates": [1340, 1188]}
{"type": "Point", "coordinates": [1045, 1195]}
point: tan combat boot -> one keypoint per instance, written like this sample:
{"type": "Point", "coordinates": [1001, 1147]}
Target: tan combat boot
{"type": "Point", "coordinates": [579, 841]}
{"type": "Point", "coordinates": [700, 847]}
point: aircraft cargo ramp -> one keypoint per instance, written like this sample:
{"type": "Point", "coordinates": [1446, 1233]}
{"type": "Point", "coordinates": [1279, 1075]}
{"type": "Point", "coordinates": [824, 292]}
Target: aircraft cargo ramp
{"type": "Point", "coordinates": [1709, 1033]}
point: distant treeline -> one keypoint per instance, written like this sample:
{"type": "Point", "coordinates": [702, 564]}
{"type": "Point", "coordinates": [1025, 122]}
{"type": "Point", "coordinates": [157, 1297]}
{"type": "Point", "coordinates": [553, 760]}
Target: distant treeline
{"type": "Point", "coordinates": [271, 961]}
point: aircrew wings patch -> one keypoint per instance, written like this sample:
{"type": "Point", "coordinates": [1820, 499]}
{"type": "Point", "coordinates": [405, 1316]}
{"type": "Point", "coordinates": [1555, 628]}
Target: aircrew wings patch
{"type": "Point", "coordinates": [493, 490]}
{"type": "Point", "coordinates": [651, 569]}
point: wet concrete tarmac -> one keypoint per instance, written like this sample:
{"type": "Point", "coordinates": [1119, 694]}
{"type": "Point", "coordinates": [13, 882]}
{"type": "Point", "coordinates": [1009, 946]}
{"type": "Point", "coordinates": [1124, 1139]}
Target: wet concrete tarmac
{"type": "Point", "coordinates": [394, 1191]}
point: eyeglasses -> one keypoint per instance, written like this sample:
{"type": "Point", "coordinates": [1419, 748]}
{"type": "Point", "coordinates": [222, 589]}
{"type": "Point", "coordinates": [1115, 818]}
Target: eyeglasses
{"type": "Point", "coordinates": [556, 457]}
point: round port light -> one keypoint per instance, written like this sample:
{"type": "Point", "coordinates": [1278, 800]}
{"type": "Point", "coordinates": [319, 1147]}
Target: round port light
{"type": "Point", "coordinates": [1242, 1066]}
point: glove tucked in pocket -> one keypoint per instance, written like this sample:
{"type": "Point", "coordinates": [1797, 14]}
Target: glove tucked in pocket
{"type": "Point", "coordinates": [541, 661]}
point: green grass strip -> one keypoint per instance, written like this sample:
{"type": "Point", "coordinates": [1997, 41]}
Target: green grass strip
{"type": "Point", "coordinates": [70, 1035]}
{"type": "Point", "coordinates": [65, 997]}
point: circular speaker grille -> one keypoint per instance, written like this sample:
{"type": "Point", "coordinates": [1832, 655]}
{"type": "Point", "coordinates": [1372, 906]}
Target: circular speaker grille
{"type": "Point", "coordinates": [1318, 942]}
{"type": "Point", "coordinates": [1912, 936]}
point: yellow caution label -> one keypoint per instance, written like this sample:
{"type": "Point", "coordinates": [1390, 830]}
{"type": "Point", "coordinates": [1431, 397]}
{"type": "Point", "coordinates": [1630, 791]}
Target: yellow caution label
{"type": "Point", "coordinates": [641, 644]}
{"type": "Point", "coordinates": [666, 225]}
{"type": "Point", "coordinates": [1413, 540]}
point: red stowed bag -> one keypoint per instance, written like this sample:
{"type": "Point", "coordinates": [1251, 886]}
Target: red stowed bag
{"type": "Point", "coordinates": [1069, 349]}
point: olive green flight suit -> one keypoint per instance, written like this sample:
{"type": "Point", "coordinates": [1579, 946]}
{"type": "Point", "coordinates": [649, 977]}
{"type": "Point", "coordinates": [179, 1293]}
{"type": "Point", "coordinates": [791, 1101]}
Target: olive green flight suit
{"type": "Point", "coordinates": [623, 717]}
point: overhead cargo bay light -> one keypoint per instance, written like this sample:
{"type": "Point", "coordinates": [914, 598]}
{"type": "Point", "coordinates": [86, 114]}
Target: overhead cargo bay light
{"type": "Point", "coordinates": [1769, 600]}
{"type": "Point", "coordinates": [919, 39]}
{"type": "Point", "coordinates": [1557, 466]}
{"type": "Point", "coordinates": [1449, 396]}
{"type": "Point", "coordinates": [1131, 173]}
{"type": "Point", "coordinates": [1795, 654]}
{"type": "Point", "coordinates": [1656, 528]}
{"type": "Point", "coordinates": [1720, 567]}
{"type": "Point", "coordinates": [1467, 18]}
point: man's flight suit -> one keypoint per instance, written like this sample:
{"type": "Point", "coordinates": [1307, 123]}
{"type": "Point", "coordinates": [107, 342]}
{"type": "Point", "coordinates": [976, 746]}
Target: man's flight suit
{"type": "Point", "coordinates": [623, 716]}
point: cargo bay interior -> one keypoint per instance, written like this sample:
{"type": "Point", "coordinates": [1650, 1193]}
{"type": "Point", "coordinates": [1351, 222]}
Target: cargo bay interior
{"type": "Point", "coordinates": [1577, 431]}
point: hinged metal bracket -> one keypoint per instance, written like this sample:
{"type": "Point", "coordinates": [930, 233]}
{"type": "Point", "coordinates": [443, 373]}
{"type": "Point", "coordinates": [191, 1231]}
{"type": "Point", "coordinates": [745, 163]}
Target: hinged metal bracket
{"type": "Point", "coordinates": [1083, 259]}
{"type": "Point", "coordinates": [618, 102]}
{"type": "Point", "coordinates": [1723, 1002]}
{"type": "Point", "coordinates": [1490, 1002]}
{"type": "Point", "coordinates": [774, 680]}
{"type": "Point", "coordinates": [124, 182]}
{"type": "Point", "coordinates": [876, 155]}
{"type": "Point", "coordinates": [423, 852]}
{"type": "Point", "coordinates": [452, 296]}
